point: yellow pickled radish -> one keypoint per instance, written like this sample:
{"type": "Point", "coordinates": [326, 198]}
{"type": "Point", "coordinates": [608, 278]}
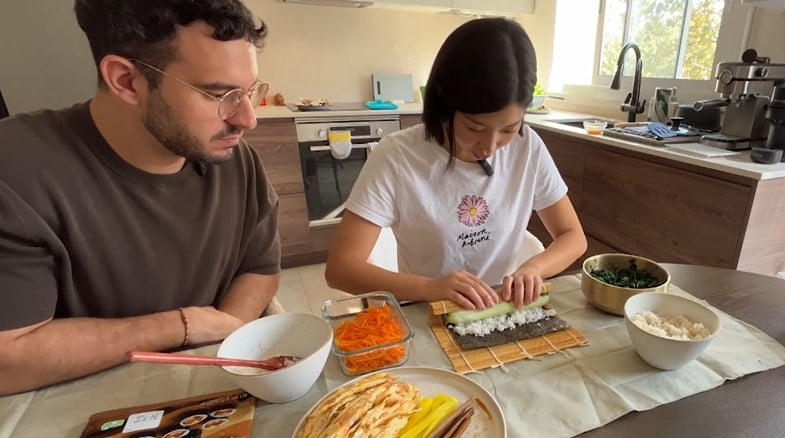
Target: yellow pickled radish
{"type": "Point", "coordinates": [426, 404]}
{"type": "Point", "coordinates": [440, 414]}
{"type": "Point", "coordinates": [442, 407]}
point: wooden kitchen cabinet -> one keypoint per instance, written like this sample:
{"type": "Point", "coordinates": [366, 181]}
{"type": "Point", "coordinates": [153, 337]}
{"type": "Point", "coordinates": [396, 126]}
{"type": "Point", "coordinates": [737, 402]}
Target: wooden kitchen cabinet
{"type": "Point", "coordinates": [666, 214]}
{"type": "Point", "coordinates": [569, 158]}
{"type": "Point", "coordinates": [669, 211]}
{"type": "Point", "coordinates": [408, 120]}
{"type": "Point", "coordinates": [275, 140]}
{"type": "Point", "coordinates": [293, 224]}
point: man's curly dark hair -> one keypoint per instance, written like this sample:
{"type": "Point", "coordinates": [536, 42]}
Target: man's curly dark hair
{"type": "Point", "coordinates": [145, 29]}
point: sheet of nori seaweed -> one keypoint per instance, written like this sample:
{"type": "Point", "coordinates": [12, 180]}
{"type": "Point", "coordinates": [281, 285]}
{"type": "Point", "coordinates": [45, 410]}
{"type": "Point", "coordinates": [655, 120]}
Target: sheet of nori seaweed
{"type": "Point", "coordinates": [523, 331]}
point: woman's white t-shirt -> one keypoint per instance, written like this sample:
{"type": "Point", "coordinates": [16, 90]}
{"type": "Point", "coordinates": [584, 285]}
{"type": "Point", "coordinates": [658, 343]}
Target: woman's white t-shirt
{"type": "Point", "coordinates": [458, 218]}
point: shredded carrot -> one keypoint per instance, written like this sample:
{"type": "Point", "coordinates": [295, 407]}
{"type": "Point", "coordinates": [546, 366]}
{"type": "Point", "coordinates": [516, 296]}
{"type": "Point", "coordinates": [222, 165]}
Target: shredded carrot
{"type": "Point", "coordinates": [372, 326]}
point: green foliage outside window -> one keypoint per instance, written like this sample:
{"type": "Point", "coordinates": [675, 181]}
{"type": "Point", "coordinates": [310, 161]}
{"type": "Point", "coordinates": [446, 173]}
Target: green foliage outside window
{"type": "Point", "coordinates": [657, 26]}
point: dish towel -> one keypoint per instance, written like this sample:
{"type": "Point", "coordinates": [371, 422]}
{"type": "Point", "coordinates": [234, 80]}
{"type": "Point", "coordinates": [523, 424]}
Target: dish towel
{"type": "Point", "coordinates": [340, 144]}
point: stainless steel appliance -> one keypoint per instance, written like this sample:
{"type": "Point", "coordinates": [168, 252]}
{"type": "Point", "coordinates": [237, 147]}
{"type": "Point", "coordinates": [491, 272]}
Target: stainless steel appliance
{"type": "Point", "coordinates": [775, 115]}
{"type": "Point", "coordinates": [744, 89]}
{"type": "Point", "coordinates": [328, 181]}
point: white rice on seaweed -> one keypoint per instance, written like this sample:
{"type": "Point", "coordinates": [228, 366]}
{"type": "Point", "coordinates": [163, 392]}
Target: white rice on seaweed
{"type": "Point", "coordinates": [502, 322]}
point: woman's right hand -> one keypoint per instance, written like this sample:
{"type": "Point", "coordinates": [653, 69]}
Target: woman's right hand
{"type": "Point", "coordinates": [464, 289]}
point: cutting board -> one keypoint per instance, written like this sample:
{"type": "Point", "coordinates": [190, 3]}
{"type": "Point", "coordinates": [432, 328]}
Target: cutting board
{"type": "Point", "coordinates": [392, 86]}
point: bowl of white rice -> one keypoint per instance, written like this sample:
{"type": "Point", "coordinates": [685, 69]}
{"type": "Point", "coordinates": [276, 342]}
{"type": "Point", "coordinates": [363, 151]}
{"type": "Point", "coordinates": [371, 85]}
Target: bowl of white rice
{"type": "Point", "coordinates": [669, 331]}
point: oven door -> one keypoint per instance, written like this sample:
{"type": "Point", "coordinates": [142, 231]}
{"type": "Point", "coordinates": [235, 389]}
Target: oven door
{"type": "Point", "coordinates": [329, 181]}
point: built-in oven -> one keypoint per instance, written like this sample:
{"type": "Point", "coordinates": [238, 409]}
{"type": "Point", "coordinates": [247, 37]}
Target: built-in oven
{"type": "Point", "coordinates": [327, 180]}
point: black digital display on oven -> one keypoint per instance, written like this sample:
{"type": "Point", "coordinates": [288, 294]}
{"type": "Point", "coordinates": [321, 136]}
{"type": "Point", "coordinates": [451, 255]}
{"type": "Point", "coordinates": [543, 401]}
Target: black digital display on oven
{"type": "Point", "coordinates": [355, 130]}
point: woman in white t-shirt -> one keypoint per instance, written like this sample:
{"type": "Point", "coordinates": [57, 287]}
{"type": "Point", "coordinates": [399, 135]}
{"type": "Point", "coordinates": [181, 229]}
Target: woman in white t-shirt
{"type": "Point", "coordinates": [458, 190]}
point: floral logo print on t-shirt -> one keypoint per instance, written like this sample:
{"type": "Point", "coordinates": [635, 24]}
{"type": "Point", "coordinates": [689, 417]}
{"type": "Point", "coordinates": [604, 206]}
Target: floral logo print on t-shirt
{"type": "Point", "coordinates": [473, 211]}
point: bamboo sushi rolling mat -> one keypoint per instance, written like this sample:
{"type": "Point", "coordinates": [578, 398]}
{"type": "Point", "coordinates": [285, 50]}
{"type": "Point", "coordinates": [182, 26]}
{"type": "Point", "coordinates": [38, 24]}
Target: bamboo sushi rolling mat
{"type": "Point", "coordinates": [464, 361]}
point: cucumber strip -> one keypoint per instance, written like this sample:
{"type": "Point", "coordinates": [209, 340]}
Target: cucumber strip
{"type": "Point", "coordinates": [502, 308]}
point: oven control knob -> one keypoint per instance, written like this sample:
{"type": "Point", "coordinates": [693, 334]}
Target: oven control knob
{"type": "Point", "coordinates": [321, 133]}
{"type": "Point", "coordinates": [379, 131]}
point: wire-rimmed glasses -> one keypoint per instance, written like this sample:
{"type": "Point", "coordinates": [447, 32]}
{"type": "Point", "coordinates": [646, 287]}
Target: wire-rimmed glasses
{"type": "Point", "coordinates": [229, 101]}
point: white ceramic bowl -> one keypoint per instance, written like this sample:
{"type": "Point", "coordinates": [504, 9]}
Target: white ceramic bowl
{"type": "Point", "coordinates": [295, 334]}
{"type": "Point", "coordinates": [661, 352]}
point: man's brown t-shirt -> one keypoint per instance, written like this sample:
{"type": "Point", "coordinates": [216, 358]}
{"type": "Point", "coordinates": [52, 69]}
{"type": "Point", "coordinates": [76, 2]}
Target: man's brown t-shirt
{"type": "Point", "coordinates": [85, 234]}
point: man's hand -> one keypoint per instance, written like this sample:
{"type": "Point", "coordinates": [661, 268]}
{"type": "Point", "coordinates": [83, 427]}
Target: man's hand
{"type": "Point", "coordinates": [463, 288]}
{"type": "Point", "coordinates": [207, 324]}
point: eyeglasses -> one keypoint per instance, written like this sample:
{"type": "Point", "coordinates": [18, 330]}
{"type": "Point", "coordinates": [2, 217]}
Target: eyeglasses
{"type": "Point", "coordinates": [229, 101]}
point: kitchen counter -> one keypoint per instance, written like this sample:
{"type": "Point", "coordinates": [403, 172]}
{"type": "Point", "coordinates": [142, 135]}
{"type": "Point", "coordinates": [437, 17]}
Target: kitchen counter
{"type": "Point", "coordinates": [683, 208]}
{"type": "Point", "coordinates": [278, 112]}
{"type": "Point", "coordinates": [740, 164]}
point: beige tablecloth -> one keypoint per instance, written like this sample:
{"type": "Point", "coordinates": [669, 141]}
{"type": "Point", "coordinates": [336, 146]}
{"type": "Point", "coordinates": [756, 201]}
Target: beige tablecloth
{"type": "Point", "coordinates": [583, 388]}
{"type": "Point", "coordinates": [559, 395]}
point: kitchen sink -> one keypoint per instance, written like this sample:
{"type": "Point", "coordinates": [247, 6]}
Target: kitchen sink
{"type": "Point", "coordinates": [578, 123]}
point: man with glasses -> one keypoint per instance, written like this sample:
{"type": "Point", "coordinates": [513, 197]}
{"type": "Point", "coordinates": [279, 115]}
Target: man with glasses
{"type": "Point", "coordinates": [138, 220]}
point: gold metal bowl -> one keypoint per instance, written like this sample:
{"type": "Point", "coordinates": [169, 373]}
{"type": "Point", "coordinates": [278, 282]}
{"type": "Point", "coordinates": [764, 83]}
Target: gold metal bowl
{"type": "Point", "coordinates": [611, 298]}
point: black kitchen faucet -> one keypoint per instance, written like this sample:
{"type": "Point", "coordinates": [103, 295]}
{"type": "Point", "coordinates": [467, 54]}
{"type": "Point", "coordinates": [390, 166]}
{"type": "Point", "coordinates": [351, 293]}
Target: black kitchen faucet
{"type": "Point", "coordinates": [631, 104]}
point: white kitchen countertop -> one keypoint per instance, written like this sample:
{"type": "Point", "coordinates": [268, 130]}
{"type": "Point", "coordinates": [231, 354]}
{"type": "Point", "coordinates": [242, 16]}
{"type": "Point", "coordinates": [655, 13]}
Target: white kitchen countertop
{"type": "Point", "coordinates": [735, 164]}
{"type": "Point", "coordinates": [740, 164]}
{"type": "Point", "coordinates": [278, 112]}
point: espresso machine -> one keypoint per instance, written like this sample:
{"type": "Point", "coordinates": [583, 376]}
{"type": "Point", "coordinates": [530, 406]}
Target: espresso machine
{"type": "Point", "coordinates": [775, 114]}
{"type": "Point", "coordinates": [744, 89]}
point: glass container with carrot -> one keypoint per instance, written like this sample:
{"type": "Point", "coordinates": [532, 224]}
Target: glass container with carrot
{"type": "Point", "coordinates": [370, 332]}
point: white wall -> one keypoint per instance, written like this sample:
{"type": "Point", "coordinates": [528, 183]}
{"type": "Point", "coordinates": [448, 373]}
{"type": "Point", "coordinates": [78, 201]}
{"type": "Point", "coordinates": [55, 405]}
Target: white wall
{"type": "Point", "coordinates": [540, 27]}
{"type": "Point", "coordinates": [330, 52]}
{"type": "Point", "coordinates": [311, 51]}
{"type": "Point", "coordinates": [768, 34]}
{"type": "Point", "coordinates": [45, 60]}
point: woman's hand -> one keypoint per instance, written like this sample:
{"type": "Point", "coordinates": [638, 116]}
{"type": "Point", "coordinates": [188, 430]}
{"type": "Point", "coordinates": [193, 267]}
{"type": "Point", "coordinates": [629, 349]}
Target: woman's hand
{"type": "Point", "coordinates": [463, 288]}
{"type": "Point", "coordinates": [522, 287]}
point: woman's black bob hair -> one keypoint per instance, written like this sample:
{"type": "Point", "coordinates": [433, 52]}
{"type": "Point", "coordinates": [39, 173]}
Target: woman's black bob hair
{"type": "Point", "coordinates": [482, 67]}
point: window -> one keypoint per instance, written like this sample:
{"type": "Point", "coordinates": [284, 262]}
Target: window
{"type": "Point", "coordinates": [574, 43]}
{"type": "Point", "coordinates": [677, 38]}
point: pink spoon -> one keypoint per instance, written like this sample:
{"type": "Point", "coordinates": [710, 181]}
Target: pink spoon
{"type": "Point", "coordinates": [270, 364]}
